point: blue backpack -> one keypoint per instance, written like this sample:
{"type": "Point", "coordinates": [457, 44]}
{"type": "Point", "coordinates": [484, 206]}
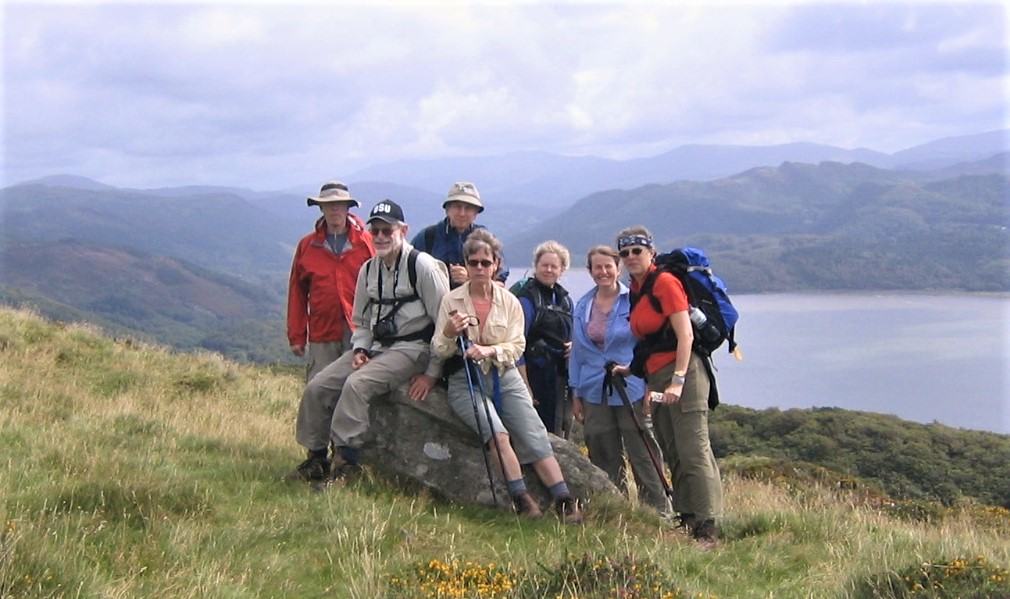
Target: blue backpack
{"type": "Point", "coordinates": [712, 313]}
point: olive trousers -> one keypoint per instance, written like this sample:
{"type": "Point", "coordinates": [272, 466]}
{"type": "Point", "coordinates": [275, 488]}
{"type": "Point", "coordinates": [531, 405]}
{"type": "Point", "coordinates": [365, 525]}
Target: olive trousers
{"type": "Point", "coordinates": [682, 432]}
{"type": "Point", "coordinates": [611, 434]}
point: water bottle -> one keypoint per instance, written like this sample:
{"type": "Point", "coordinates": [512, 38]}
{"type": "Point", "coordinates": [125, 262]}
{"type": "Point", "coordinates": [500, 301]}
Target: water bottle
{"type": "Point", "coordinates": [698, 318]}
{"type": "Point", "coordinates": [706, 331]}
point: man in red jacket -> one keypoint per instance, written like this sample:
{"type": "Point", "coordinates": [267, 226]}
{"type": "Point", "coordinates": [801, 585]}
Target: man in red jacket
{"type": "Point", "coordinates": [324, 273]}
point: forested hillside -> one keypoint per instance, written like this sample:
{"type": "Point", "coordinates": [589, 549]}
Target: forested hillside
{"type": "Point", "coordinates": [154, 298]}
{"type": "Point", "coordinates": [908, 460]}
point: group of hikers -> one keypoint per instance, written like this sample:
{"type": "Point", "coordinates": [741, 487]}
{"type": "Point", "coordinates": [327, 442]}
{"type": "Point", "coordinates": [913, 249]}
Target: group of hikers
{"type": "Point", "coordinates": [371, 312]}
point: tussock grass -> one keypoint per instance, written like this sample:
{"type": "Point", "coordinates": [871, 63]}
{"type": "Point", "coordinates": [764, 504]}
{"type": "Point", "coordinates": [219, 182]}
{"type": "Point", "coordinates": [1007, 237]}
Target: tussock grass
{"type": "Point", "coordinates": [131, 471]}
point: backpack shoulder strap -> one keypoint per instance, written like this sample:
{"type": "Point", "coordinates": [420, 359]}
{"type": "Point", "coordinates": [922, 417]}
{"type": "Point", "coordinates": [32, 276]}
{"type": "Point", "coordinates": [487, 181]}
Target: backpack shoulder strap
{"type": "Point", "coordinates": [412, 269]}
{"type": "Point", "coordinates": [429, 238]}
{"type": "Point", "coordinates": [646, 291]}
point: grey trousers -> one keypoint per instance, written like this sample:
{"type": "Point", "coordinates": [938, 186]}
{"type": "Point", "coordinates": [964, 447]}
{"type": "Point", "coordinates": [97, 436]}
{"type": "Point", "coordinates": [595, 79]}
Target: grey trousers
{"type": "Point", "coordinates": [682, 432]}
{"type": "Point", "coordinates": [320, 354]}
{"type": "Point", "coordinates": [610, 432]}
{"type": "Point", "coordinates": [334, 405]}
{"type": "Point", "coordinates": [518, 417]}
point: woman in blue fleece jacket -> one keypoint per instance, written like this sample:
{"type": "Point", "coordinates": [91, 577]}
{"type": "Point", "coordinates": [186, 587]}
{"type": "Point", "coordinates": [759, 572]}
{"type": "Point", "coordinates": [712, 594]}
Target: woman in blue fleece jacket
{"type": "Point", "coordinates": [601, 334]}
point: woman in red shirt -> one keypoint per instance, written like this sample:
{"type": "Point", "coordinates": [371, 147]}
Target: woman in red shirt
{"type": "Point", "coordinates": [679, 384]}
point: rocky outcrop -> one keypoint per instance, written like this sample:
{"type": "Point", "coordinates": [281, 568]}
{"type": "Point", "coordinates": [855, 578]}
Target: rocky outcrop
{"type": "Point", "coordinates": [426, 444]}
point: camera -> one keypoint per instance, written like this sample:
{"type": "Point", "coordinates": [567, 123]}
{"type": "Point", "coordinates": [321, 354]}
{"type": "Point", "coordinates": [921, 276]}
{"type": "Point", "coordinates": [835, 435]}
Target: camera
{"type": "Point", "coordinates": [384, 329]}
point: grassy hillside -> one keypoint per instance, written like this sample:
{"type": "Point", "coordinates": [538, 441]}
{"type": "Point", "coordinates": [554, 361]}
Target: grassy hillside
{"type": "Point", "coordinates": [130, 471]}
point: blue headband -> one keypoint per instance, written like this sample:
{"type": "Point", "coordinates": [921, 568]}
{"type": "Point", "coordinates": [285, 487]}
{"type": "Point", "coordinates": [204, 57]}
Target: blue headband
{"type": "Point", "coordinates": [642, 240]}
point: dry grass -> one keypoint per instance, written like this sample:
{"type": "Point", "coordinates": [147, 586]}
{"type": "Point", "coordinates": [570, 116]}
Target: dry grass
{"type": "Point", "coordinates": [131, 471]}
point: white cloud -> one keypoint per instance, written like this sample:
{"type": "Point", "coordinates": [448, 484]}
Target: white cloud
{"type": "Point", "coordinates": [266, 93]}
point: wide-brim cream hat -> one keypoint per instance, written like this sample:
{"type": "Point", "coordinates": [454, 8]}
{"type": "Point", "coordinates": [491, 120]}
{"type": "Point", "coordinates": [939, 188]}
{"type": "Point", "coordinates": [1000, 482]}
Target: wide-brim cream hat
{"type": "Point", "coordinates": [333, 191]}
{"type": "Point", "coordinates": [466, 192]}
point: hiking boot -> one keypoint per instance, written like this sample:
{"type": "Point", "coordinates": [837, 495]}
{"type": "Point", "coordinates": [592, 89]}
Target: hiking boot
{"type": "Point", "coordinates": [315, 468]}
{"type": "Point", "coordinates": [706, 533]}
{"type": "Point", "coordinates": [342, 471]}
{"type": "Point", "coordinates": [568, 510]}
{"type": "Point", "coordinates": [687, 522]}
{"type": "Point", "coordinates": [525, 505]}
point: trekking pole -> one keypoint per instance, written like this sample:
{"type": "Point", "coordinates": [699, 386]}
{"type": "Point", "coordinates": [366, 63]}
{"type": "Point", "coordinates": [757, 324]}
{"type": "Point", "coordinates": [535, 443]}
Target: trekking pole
{"type": "Point", "coordinates": [562, 406]}
{"type": "Point", "coordinates": [616, 381]}
{"type": "Point", "coordinates": [487, 411]}
{"type": "Point", "coordinates": [559, 405]}
{"type": "Point", "coordinates": [461, 340]}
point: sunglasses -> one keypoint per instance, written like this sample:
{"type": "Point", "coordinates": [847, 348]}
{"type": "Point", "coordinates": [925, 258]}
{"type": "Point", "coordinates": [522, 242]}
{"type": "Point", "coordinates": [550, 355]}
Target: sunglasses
{"type": "Point", "coordinates": [382, 231]}
{"type": "Point", "coordinates": [480, 263]}
{"type": "Point", "coordinates": [635, 251]}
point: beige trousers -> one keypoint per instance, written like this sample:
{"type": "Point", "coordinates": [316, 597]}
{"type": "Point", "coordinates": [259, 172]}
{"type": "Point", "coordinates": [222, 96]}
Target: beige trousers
{"type": "Point", "coordinates": [334, 406]}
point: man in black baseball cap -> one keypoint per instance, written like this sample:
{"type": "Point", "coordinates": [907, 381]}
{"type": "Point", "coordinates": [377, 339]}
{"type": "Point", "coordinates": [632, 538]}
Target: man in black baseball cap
{"type": "Point", "coordinates": [396, 301]}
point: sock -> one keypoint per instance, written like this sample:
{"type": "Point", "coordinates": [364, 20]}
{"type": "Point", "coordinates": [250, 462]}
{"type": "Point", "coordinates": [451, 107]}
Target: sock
{"type": "Point", "coordinates": [559, 490]}
{"type": "Point", "coordinates": [318, 453]}
{"type": "Point", "coordinates": [350, 454]}
{"type": "Point", "coordinates": [516, 487]}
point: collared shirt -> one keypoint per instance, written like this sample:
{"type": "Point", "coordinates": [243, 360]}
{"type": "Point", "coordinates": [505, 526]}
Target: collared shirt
{"type": "Point", "coordinates": [412, 317]}
{"type": "Point", "coordinates": [502, 330]}
{"type": "Point", "coordinates": [447, 244]}
{"type": "Point", "coordinates": [585, 368]}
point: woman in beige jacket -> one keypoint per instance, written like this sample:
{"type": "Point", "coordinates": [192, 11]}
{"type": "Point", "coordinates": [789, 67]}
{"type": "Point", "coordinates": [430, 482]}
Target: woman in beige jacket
{"type": "Point", "coordinates": [490, 316]}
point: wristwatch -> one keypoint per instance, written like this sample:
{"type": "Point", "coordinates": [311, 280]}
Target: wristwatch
{"type": "Point", "coordinates": [678, 379]}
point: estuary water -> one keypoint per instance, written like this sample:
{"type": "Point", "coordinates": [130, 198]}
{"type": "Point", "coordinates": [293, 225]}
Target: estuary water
{"type": "Point", "coordinates": [920, 356]}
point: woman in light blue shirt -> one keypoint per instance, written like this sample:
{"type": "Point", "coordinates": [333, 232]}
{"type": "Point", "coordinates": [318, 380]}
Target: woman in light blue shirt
{"type": "Point", "coordinates": [601, 334]}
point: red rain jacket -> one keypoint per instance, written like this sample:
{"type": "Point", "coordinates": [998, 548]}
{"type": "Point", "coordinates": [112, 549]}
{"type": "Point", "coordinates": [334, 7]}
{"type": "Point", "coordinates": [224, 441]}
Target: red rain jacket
{"type": "Point", "coordinates": [321, 289]}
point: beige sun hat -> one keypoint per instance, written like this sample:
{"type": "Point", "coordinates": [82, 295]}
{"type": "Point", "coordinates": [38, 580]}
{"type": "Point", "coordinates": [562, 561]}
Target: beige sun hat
{"type": "Point", "coordinates": [466, 192]}
{"type": "Point", "coordinates": [333, 191]}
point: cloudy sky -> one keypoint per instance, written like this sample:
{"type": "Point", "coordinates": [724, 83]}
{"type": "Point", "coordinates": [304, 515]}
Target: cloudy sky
{"type": "Point", "coordinates": [267, 96]}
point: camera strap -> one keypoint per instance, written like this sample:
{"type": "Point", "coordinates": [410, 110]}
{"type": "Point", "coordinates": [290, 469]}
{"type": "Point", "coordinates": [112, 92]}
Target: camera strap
{"type": "Point", "coordinates": [396, 283]}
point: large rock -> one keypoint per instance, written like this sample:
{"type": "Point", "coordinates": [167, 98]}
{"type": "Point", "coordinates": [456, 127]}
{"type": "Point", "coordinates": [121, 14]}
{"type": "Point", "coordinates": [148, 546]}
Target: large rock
{"type": "Point", "coordinates": [424, 442]}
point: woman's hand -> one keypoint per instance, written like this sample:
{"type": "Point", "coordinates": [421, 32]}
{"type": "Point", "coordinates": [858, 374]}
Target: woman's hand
{"type": "Point", "coordinates": [479, 352]}
{"type": "Point", "coordinates": [671, 394]}
{"type": "Point", "coordinates": [577, 412]}
{"type": "Point", "coordinates": [455, 325]}
{"type": "Point", "coordinates": [621, 369]}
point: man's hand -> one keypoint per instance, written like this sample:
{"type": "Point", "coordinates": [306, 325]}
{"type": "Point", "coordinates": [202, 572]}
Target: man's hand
{"type": "Point", "coordinates": [568, 349]}
{"type": "Point", "coordinates": [420, 385]}
{"type": "Point", "coordinates": [577, 409]}
{"type": "Point", "coordinates": [360, 359]}
{"type": "Point", "coordinates": [298, 350]}
{"type": "Point", "coordinates": [458, 274]}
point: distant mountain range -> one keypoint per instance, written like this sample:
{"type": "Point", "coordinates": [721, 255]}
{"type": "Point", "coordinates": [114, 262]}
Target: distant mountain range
{"type": "Point", "coordinates": [206, 266]}
{"type": "Point", "coordinates": [551, 181]}
{"type": "Point", "coordinates": [826, 226]}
